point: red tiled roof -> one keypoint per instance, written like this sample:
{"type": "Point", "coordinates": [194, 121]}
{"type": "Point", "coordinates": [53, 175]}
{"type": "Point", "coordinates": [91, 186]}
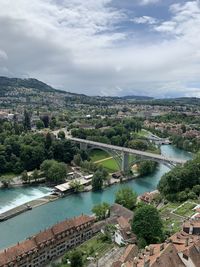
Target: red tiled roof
{"type": "Point", "coordinates": [31, 244]}
{"type": "Point", "coordinates": [20, 249]}
{"type": "Point", "coordinates": [123, 222]}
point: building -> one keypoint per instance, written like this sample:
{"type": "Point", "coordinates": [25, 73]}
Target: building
{"type": "Point", "coordinates": [123, 234]}
{"type": "Point", "coordinates": [128, 256]}
{"type": "Point", "coordinates": [49, 244]}
{"type": "Point", "coordinates": [180, 250]}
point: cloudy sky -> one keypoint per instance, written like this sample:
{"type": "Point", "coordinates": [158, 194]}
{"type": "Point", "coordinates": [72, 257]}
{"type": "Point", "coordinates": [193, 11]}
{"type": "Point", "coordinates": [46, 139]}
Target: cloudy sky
{"type": "Point", "coordinates": [104, 47]}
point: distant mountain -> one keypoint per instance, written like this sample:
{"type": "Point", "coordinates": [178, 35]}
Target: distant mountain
{"type": "Point", "coordinates": [7, 84]}
{"type": "Point", "coordinates": [135, 97]}
{"type": "Point", "coordinates": [182, 101]}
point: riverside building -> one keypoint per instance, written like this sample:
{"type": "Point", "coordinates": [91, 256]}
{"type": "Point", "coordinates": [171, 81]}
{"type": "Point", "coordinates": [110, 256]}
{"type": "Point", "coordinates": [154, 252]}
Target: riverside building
{"type": "Point", "coordinates": [49, 244]}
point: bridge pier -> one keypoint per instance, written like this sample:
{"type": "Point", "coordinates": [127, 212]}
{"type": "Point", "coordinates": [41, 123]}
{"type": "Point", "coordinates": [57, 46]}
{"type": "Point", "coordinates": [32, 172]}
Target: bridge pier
{"type": "Point", "coordinates": [83, 146]}
{"type": "Point", "coordinates": [125, 162]}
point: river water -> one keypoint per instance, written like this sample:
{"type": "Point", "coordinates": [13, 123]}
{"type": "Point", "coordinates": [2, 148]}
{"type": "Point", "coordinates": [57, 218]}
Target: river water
{"type": "Point", "coordinates": [31, 222]}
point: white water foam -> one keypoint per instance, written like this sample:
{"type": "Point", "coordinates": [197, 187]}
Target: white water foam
{"type": "Point", "coordinates": [24, 197]}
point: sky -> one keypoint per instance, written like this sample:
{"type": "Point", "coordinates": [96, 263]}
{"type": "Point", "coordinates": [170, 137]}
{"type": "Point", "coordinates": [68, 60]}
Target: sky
{"type": "Point", "coordinates": [104, 47]}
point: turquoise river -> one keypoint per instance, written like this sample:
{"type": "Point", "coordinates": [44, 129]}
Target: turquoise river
{"type": "Point", "coordinates": [31, 222]}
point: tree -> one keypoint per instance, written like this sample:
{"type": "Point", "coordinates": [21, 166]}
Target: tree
{"type": "Point", "coordinates": [126, 197]}
{"type": "Point", "coordinates": [179, 179]}
{"type": "Point", "coordinates": [35, 175]}
{"type": "Point", "coordinates": [147, 167]}
{"type": "Point", "coordinates": [76, 185]}
{"type": "Point", "coordinates": [77, 160]}
{"type": "Point", "coordinates": [48, 141]}
{"type": "Point", "coordinates": [52, 123]}
{"type": "Point", "coordinates": [45, 120]}
{"type": "Point", "coordinates": [27, 121]}
{"type": "Point", "coordinates": [40, 124]}
{"type": "Point", "coordinates": [147, 224]}
{"type": "Point", "coordinates": [5, 181]}
{"type": "Point", "coordinates": [24, 176]}
{"type": "Point", "coordinates": [76, 258]}
{"type": "Point", "coordinates": [97, 181]}
{"type": "Point", "coordinates": [101, 211]}
{"type": "Point", "coordinates": [61, 135]}
{"type": "Point", "coordinates": [54, 171]}
{"type": "Point", "coordinates": [138, 144]}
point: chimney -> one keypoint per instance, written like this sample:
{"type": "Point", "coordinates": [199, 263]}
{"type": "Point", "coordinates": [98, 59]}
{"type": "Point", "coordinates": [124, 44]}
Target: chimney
{"type": "Point", "coordinates": [191, 229]}
{"type": "Point", "coordinates": [151, 251]}
{"type": "Point", "coordinates": [186, 242]}
{"type": "Point", "coordinates": [135, 262]}
{"type": "Point", "coordinates": [146, 262]}
{"type": "Point", "coordinates": [161, 247]}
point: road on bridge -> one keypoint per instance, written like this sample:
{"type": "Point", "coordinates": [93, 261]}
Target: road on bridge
{"type": "Point", "coordinates": [146, 155]}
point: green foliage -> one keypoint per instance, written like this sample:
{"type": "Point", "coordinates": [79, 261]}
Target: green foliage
{"type": "Point", "coordinates": [40, 124]}
{"type": "Point", "coordinates": [101, 211]}
{"type": "Point", "coordinates": [27, 120]}
{"type": "Point", "coordinates": [77, 160]}
{"type": "Point", "coordinates": [126, 197]}
{"type": "Point", "coordinates": [118, 134]}
{"type": "Point", "coordinates": [146, 167]}
{"type": "Point", "coordinates": [61, 135]}
{"type": "Point", "coordinates": [138, 144]}
{"type": "Point", "coordinates": [25, 176]}
{"type": "Point", "coordinates": [97, 180]}
{"type": "Point", "coordinates": [54, 171]}
{"type": "Point", "coordinates": [173, 184]}
{"type": "Point", "coordinates": [76, 185]}
{"type": "Point", "coordinates": [147, 224]}
{"type": "Point", "coordinates": [76, 258]}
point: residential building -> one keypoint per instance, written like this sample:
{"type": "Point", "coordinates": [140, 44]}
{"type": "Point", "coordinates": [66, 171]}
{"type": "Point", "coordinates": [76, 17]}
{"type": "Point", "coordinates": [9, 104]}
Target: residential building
{"type": "Point", "coordinates": [49, 244]}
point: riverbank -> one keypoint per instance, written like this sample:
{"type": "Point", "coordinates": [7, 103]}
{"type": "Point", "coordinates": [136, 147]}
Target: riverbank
{"type": "Point", "coordinates": [26, 207]}
{"type": "Point", "coordinates": [52, 197]}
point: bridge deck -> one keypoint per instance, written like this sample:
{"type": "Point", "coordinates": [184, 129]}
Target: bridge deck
{"type": "Point", "coordinates": [143, 154]}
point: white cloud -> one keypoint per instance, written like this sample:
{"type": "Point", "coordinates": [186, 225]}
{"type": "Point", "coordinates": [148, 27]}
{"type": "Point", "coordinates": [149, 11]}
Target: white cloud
{"type": "Point", "coordinates": [77, 45]}
{"type": "Point", "coordinates": [144, 20]}
{"type": "Point", "coordinates": [147, 2]}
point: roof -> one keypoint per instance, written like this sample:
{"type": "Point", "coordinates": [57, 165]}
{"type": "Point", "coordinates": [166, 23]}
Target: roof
{"type": "Point", "coordinates": [123, 222]}
{"type": "Point", "coordinates": [194, 223]}
{"type": "Point", "coordinates": [119, 210]}
{"type": "Point", "coordinates": [130, 253]}
{"type": "Point", "coordinates": [69, 224]}
{"type": "Point", "coordinates": [167, 257]}
{"type": "Point", "coordinates": [63, 187]}
{"type": "Point", "coordinates": [10, 254]}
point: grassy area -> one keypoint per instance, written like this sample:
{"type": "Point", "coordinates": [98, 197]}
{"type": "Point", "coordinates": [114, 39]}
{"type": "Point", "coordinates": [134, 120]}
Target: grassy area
{"type": "Point", "coordinates": [98, 154]}
{"type": "Point", "coordinates": [110, 164]}
{"type": "Point", "coordinates": [171, 222]}
{"type": "Point", "coordinates": [186, 209]}
{"type": "Point", "coordinates": [9, 175]}
{"type": "Point", "coordinates": [90, 249]}
{"type": "Point", "coordinates": [143, 133]}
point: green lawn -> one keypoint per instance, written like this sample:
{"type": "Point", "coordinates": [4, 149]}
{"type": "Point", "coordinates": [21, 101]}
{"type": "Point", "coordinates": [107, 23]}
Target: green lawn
{"type": "Point", "coordinates": [110, 164]}
{"type": "Point", "coordinates": [143, 133]}
{"type": "Point", "coordinates": [98, 154]}
{"type": "Point", "coordinates": [186, 210]}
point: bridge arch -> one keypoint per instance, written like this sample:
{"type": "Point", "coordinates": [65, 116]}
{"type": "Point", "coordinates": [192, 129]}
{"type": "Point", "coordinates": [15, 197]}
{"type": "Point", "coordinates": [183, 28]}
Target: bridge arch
{"type": "Point", "coordinates": [140, 159]}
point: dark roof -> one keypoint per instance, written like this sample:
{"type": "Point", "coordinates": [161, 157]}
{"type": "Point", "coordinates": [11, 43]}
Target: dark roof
{"type": "Point", "coordinates": [119, 210]}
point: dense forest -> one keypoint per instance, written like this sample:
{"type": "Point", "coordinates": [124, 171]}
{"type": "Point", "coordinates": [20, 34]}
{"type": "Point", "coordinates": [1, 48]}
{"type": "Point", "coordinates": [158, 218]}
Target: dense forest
{"type": "Point", "coordinates": [182, 183]}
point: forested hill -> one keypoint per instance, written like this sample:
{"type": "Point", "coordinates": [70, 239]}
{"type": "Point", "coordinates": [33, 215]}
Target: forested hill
{"type": "Point", "coordinates": [10, 84]}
